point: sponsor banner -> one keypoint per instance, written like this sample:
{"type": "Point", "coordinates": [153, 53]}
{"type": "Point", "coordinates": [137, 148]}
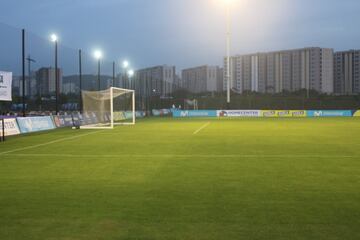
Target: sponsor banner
{"type": "Point", "coordinates": [330, 113]}
{"type": "Point", "coordinates": [356, 113]}
{"type": "Point", "coordinates": [156, 113]}
{"type": "Point", "coordinates": [283, 113]}
{"type": "Point", "coordinates": [5, 86]}
{"type": "Point", "coordinates": [88, 118]}
{"type": "Point", "coordinates": [66, 121]}
{"type": "Point", "coordinates": [35, 124]}
{"type": "Point", "coordinates": [161, 112]}
{"type": "Point", "coordinates": [195, 113]}
{"type": "Point", "coordinates": [140, 114]}
{"type": "Point", "coordinates": [128, 115]}
{"type": "Point", "coordinates": [238, 113]}
{"type": "Point", "coordinates": [77, 117]}
{"type": "Point", "coordinates": [7, 116]}
{"type": "Point", "coordinates": [11, 127]}
{"type": "Point", "coordinates": [106, 117]}
{"type": "Point", "coordinates": [119, 116]}
{"type": "Point", "coordinates": [57, 121]}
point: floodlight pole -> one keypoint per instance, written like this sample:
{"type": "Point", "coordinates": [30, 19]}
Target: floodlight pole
{"type": "Point", "coordinates": [112, 106]}
{"type": "Point", "coordinates": [99, 85]}
{"type": "Point", "coordinates": [228, 46]}
{"type": "Point", "coordinates": [80, 80]}
{"type": "Point", "coordinates": [23, 73]}
{"type": "Point", "coordinates": [113, 79]}
{"type": "Point", "coordinates": [126, 85]}
{"type": "Point", "coordinates": [56, 79]}
{"type": "Point", "coordinates": [133, 107]}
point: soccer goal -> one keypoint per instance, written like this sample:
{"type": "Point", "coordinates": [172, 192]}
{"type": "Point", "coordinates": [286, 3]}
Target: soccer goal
{"type": "Point", "coordinates": [108, 108]}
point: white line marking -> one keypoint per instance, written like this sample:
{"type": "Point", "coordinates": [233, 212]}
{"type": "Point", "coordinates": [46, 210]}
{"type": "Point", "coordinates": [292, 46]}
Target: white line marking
{"type": "Point", "coordinates": [201, 128]}
{"type": "Point", "coordinates": [176, 155]}
{"type": "Point", "coordinates": [48, 143]}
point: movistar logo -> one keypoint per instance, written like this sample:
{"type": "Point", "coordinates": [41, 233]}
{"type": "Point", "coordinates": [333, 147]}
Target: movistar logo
{"type": "Point", "coordinates": [318, 114]}
{"type": "Point", "coordinates": [184, 113]}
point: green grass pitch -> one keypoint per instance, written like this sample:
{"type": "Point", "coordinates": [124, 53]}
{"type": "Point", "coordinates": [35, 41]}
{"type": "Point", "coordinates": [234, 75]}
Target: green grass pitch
{"type": "Point", "coordinates": [185, 179]}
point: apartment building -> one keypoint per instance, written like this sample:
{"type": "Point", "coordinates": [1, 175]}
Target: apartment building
{"type": "Point", "coordinates": [202, 79]}
{"type": "Point", "coordinates": [155, 81]}
{"type": "Point", "coordinates": [289, 70]}
{"type": "Point", "coordinates": [45, 80]}
{"type": "Point", "coordinates": [347, 72]}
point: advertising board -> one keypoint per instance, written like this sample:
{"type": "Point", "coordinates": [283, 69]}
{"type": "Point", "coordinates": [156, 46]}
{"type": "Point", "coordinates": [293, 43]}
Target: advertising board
{"type": "Point", "coordinates": [140, 114]}
{"type": "Point", "coordinates": [88, 118]}
{"type": "Point", "coordinates": [330, 113]}
{"type": "Point", "coordinates": [356, 113]}
{"type": "Point", "coordinates": [77, 118]}
{"type": "Point", "coordinates": [11, 127]}
{"type": "Point", "coordinates": [194, 113]}
{"type": "Point", "coordinates": [35, 124]}
{"type": "Point", "coordinates": [66, 121]}
{"type": "Point", "coordinates": [283, 113]}
{"type": "Point", "coordinates": [161, 112]}
{"type": "Point", "coordinates": [238, 113]}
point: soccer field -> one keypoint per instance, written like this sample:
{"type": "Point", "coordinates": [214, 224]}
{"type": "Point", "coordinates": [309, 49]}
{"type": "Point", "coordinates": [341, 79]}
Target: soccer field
{"type": "Point", "coordinates": [185, 179]}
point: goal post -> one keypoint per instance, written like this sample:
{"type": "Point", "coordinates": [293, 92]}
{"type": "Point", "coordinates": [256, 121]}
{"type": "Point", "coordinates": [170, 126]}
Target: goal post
{"type": "Point", "coordinates": [108, 108]}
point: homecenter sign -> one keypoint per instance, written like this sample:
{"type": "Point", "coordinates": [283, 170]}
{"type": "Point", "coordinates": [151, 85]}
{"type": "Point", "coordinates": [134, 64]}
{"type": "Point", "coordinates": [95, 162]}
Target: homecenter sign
{"type": "Point", "coordinates": [238, 113]}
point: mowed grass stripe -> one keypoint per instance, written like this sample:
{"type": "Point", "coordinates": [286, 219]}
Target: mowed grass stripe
{"type": "Point", "coordinates": [97, 156]}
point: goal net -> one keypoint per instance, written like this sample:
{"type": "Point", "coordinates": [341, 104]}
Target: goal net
{"type": "Point", "coordinates": [191, 104]}
{"type": "Point", "coordinates": [108, 108]}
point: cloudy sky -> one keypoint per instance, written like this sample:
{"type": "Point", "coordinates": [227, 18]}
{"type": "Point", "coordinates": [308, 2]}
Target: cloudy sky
{"type": "Point", "coordinates": [186, 33]}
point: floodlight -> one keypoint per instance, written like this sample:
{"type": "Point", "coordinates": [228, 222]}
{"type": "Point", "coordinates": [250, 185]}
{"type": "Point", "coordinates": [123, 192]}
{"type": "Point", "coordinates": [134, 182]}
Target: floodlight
{"type": "Point", "coordinates": [131, 73]}
{"type": "Point", "coordinates": [53, 37]}
{"type": "Point", "coordinates": [126, 64]}
{"type": "Point", "coordinates": [98, 54]}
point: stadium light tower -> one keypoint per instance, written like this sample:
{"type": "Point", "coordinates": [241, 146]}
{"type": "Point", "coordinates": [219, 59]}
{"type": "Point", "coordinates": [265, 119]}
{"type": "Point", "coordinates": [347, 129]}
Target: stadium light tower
{"type": "Point", "coordinates": [80, 80]}
{"type": "Point", "coordinates": [98, 56]}
{"type": "Point", "coordinates": [125, 67]}
{"type": "Point", "coordinates": [131, 73]}
{"type": "Point", "coordinates": [54, 39]}
{"type": "Point", "coordinates": [229, 4]}
{"type": "Point", "coordinates": [23, 73]}
{"type": "Point", "coordinates": [113, 76]}
{"type": "Point", "coordinates": [126, 64]}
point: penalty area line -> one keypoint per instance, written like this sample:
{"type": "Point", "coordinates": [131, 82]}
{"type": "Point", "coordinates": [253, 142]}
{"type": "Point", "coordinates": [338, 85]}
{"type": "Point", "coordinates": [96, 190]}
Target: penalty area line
{"type": "Point", "coordinates": [48, 143]}
{"type": "Point", "coordinates": [201, 128]}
